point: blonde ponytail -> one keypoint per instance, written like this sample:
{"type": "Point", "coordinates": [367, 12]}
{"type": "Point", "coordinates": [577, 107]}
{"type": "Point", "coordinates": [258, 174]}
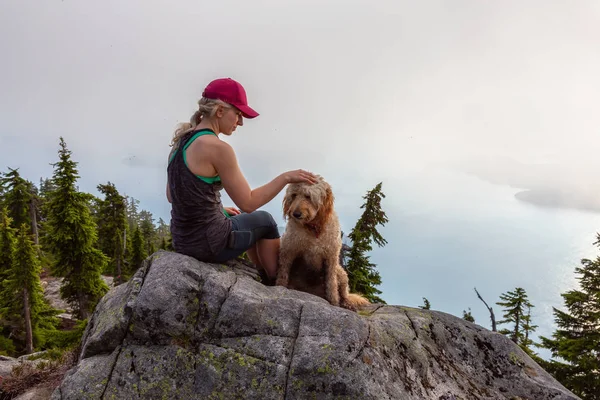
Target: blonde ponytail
{"type": "Point", "coordinates": [206, 108]}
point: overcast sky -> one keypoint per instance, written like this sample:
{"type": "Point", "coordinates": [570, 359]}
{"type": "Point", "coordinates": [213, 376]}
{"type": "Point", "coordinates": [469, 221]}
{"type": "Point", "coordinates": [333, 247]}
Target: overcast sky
{"type": "Point", "coordinates": [355, 90]}
{"type": "Point", "coordinates": [358, 91]}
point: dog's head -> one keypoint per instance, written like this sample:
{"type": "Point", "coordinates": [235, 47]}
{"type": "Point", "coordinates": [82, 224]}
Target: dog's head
{"type": "Point", "coordinates": [308, 204]}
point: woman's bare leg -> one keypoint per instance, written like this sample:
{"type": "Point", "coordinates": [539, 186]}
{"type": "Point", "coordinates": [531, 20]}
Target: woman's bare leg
{"type": "Point", "coordinates": [253, 255]}
{"type": "Point", "coordinates": [268, 255]}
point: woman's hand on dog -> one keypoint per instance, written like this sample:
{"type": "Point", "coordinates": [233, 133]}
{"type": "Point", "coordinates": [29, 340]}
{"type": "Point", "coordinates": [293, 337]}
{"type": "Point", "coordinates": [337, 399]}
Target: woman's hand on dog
{"type": "Point", "coordinates": [300, 176]}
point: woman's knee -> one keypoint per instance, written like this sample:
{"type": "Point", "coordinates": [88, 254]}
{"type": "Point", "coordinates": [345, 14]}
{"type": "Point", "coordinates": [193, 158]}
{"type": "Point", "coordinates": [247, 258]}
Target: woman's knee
{"type": "Point", "coordinates": [265, 218]}
{"type": "Point", "coordinates": [269, 230]}
{"type": "Point", "coordinates": [259, 224]}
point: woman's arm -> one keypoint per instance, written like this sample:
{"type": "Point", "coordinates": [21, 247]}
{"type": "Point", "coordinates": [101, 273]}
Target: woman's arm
{"type": "Point", "coordinates": [169, 192]}
{"type": "Point", "coordinates": [174, 149]}
{"type": "Point", "coordinates": [236, 186]}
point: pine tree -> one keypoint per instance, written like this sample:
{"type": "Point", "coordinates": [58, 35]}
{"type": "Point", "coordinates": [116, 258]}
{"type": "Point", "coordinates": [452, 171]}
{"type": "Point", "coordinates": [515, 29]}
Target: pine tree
{"type": "Point", "coordinates": [163, 244]}
{"type": "Point", "coordinates": [515, 303]}
{"type": "Point", "coordinates": [93, 202]}
{"type": "Point", "coordinates": [362, 275]}
{"type": "Point", "coordinates": [426, 305]}
{"type": "Point", "coordinates": [34, 212]}
{"type": "Point", "coordinates": [71, 236]}
{"type": "Point", "coordinates": [28, 309]}
{"type": "Point", "coordinates": [169, 246]}
{"type": "Point", "coordinates": [7, 252]}
{"type": "Point", "coordinates": [18, 197]}
{"type": "Point", "coordinates": [467, 316]}
{"type": "Point", "coordinates": [528, 329]}
{"type": "Point", "coordinates": [46, 187]}
{"type": "Point", "coordinates": [138, 251]}
{"type": "Point", "coordinates": [577, 339]}
{"type": "Point", "coordinates": [23, 201]}
{"type": "Point", "coordinates": [132, 213]}
{"type": "Point", "coordinates": [162, 231]}
{"type": "Point", "coordinates": [112, 222]}
{"type": "Point", "coordinates": [148, 231]}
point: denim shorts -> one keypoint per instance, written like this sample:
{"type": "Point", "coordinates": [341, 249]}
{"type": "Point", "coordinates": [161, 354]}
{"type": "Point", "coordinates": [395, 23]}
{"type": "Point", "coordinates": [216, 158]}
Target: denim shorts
{"type": "Point", "coordinates": [247, 229]}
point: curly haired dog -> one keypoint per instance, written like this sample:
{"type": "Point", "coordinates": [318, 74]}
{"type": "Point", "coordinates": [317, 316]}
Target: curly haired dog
{"type": "Point", "coordinates": [311, 244]}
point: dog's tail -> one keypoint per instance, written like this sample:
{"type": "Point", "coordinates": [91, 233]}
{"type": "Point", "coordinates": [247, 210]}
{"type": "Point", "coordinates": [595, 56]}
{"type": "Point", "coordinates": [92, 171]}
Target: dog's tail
{"type": "Point", "coordinates": [357, 301]}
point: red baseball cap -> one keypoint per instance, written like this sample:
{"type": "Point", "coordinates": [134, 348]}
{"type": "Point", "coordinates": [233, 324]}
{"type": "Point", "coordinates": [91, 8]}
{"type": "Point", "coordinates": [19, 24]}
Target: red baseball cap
{"type": "Point", "coordinates": [232, 92]}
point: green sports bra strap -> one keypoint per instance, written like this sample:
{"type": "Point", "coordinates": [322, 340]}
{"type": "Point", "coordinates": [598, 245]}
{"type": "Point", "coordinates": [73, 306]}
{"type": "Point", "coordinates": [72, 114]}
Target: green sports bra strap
{"type": "Point", "coordinates": [197, 135]}
{"type": "Point", "coordinates": [207, 179]}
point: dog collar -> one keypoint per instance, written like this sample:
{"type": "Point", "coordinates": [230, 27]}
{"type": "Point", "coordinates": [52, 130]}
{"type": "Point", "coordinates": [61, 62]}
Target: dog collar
{"type": "Point", "coordinates": [314, 229]}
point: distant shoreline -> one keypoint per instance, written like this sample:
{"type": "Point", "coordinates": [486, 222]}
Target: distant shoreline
{"type": "Point", "coordinates": [556, 199]}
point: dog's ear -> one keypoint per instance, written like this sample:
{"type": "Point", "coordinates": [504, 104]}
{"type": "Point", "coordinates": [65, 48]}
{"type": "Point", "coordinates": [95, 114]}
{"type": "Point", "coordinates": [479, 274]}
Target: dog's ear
{"type": "Point", "coordinates": [287, 203]}
{"type": "Point", "coordinates": [328, 203]}
{"type": "Point", "coordinates": [325, 209]}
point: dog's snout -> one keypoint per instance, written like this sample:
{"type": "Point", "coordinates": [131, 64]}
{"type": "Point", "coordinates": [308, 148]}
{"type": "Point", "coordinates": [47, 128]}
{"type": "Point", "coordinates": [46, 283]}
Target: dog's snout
{"type": "Point", "coordinates": [297, 214]}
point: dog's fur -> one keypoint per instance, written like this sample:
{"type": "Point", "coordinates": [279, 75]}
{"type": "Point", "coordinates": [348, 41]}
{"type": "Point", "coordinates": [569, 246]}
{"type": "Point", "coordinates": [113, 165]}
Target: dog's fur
{"type": "Point", "coordinates": [311, 245]}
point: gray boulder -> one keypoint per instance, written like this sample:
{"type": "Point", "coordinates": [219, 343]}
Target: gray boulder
{"type": "Point", "coordinates": [182, 329]}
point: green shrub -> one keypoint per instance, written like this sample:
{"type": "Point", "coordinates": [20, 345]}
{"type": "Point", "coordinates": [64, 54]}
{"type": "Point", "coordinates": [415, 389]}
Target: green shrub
{"type": "Point", "coordinates": [7, 347]}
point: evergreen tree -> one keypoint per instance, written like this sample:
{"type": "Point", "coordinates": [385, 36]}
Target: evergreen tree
{"type": "Point", "coordinates": [132, 213]}
{"type": "Point", "coordinates": [47, 186]}
{"type": "Point", "coordinates": [138, 251]}
{"type": "Point", "coordinates": [528, 329]}
{"type": "Point", "coordinates": [7, 253]}
{"type": "Point", "coordinates": [169, 246]}
{"type": "Point", "coordinates": [162, 231]}
{"type": "Point", "coordinates": [112, 222]}
{"type": "Point", "coordinates": [120, 272]}
{"type": "Point", "coordinates": [577, 339]}
{"type": "Point", "coordinates": [515, 303]}
{"type": "Point", "coordinates": [28, 310]}
{"type": "Point", "coordinates": [362, 275]}
{"type": "Point", "coordinates": [146, 224]}
{"type": "Point", "coordinates": [18, 197]}
{"type": "Point", "coordinates": [72, 236]}
{"type": "Point", "coordinates": [426, 305]}
{"type": "Point", "coordinates": [467, 316]}
{"type": "Point", "coordinates": [93, 203]}
{"type": "Point", "coordinates": [34, 212]}
{"type": "Point", "coordinates": [7, 347]}
{"type": "Point", "coordinates": [23, 202]}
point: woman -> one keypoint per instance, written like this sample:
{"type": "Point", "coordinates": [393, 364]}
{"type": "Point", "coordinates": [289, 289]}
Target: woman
{"type": "Point", "coordinates": [200, 165]}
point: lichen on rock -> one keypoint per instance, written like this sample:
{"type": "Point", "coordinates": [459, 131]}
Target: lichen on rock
{"type": "Point", "coordinates": [183, 329]}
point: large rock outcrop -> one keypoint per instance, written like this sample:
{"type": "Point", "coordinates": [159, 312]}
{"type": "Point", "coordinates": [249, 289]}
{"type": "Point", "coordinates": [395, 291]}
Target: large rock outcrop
{"type": "Point", "coordinates": [182, 329]}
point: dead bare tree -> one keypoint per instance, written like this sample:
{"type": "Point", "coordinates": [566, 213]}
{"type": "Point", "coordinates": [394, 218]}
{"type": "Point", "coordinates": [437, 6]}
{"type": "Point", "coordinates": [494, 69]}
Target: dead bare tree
{"type": "Point", "coordinates": [492, 317]}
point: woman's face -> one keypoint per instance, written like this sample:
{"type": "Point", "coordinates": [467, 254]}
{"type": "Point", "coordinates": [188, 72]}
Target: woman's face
{"type": "Point", "coordinates": [230, 119]}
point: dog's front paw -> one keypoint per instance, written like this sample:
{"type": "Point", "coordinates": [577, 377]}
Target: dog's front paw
{"type": "Point", "coordinates": [281, 281]}
{"type": "Point", "coordinates": [348, 305]}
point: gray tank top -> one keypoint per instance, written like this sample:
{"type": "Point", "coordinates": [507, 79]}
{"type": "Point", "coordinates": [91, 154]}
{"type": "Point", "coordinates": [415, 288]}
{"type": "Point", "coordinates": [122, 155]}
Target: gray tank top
{"type": "Point", "coordinates": [199, 226]}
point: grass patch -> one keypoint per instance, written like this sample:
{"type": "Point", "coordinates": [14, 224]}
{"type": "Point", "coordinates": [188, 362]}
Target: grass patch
{"type": "Point", "coordinates": [41, 374]}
